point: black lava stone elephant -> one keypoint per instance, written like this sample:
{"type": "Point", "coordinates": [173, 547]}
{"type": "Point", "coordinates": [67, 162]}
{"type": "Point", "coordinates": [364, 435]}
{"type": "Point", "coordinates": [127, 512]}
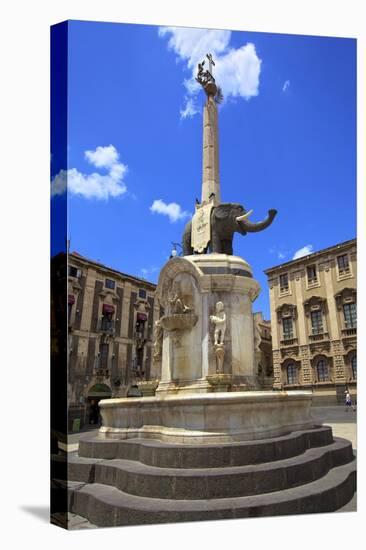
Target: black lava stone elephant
{"type": "Point", "coordinates": [226, 219]}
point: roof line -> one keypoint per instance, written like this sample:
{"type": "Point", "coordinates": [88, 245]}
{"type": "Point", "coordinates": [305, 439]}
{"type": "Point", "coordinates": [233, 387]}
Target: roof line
{"type": "Point", "coordinates": [313, 254]}
{"type": "Point", "coordinates": [78, 256]}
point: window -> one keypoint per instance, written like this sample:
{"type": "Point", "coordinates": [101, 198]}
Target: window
{"type": "Point", "coordinates": [110, 284]}
{"type": "Point", "coordinates": [140, 325]}
{"type": "Point", "coordinates": [343, 264]}
{"type": "Point", "coordinates": [283, 282]}
{"type": "Point", "coordinates": [107, 323]}
{"type": "Point", "coordinates": [322, 370]}
{"type": "Point", "coordinates": [350, 315]}
{"type": "Point", "coordinates": [103, 359]}
{"type": "Point", "coordinates": [291, 374]}
{"type": "Point", "coordinates": [74, 272]}
{"type": "Point", "coordinates": [311, 274]}
{"type": "Point", "coordinates": [316, 322]}
{"type": "Point", "coordinates": [142, 293]}
{"type": "Point", "coordinates": [288, 332]}
{"type": "Point", "coordinates": [354, 367]}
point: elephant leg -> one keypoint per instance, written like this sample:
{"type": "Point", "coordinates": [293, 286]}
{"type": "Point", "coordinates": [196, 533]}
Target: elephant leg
{"type": "Point", "coordinates": [186, 245]}
{"type": "Point", "coordinates": [228, 247]}
{"type": "Point", "coordinates": [216, 243]}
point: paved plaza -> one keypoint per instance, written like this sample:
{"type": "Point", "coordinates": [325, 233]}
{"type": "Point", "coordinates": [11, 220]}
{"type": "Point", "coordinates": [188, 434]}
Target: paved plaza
{"type": "Point", "coordinates": [342, 421]}
{"type": "Point", "coordinates": [343, 424]}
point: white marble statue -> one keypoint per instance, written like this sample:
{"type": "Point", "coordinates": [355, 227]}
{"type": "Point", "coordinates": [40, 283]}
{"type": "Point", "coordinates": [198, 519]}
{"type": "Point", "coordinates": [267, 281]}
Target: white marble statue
{"type": "Point", "coordinates": [219, 319]}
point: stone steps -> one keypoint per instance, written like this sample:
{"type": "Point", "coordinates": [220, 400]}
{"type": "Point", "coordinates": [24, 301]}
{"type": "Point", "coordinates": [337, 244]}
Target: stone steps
{"type": "Point", "coordinates": [144, 480]}
{"type": "Point", "coordinates": [156, 453]}
{"type": "Point", "coordinates": [105, 505]}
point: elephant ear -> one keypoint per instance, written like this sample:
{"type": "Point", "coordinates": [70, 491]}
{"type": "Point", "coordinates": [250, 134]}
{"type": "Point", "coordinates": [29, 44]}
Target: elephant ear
{"type": "Point", "coordinates": [222, 211]}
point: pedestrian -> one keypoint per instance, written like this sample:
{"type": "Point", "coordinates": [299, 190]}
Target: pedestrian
{"type": "Point", "coordinates": [348, 400]}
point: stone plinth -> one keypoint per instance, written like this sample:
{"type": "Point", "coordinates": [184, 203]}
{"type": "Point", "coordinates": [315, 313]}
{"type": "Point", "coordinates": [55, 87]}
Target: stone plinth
{"type": "Point", "coordinates": [208, 418]}
{"type": "Point", "coordinates": [189, 290]}
{"type": "Point", "coordinates": [147, 387]}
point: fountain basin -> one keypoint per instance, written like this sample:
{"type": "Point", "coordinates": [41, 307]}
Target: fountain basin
{"type": "Point", "coordinates": [207, 418]}
{"type": "Point", "coordinates": [179, 321]}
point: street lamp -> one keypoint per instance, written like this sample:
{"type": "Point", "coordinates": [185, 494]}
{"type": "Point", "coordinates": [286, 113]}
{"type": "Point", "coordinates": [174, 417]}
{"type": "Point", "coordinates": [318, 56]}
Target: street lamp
{"type": "Point", "coordinates": [174, 251]}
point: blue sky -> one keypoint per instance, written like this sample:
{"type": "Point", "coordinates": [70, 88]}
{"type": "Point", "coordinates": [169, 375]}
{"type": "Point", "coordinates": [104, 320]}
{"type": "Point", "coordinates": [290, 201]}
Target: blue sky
{"type": "Point", "coordinates": [287, 141]}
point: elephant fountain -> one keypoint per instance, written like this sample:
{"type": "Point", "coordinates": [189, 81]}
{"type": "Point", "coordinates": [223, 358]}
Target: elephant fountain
{"type": "Point", "coordinates": [225, 219]}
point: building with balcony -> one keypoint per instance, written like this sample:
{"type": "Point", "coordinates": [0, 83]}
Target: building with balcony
{"type": "Point", "coordinates": [313, 303]}
{"type": "Point", "coordinates": [110, 329]}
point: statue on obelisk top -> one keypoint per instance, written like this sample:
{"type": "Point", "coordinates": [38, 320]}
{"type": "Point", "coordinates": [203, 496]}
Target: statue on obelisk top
{"type": "Point", "coordinates": [210, 168]}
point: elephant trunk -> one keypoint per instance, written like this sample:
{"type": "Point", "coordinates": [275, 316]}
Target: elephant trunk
{"type": "Point", "coordinates": [250, 227]}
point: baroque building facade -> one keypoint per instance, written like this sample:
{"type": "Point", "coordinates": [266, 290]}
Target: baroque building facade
{"type": "Point", "coordinates": [263, 350]}
{"type": "Point", "coordinates": [110, 329]}
{"type": "Point", "coordinates": [313, 303]}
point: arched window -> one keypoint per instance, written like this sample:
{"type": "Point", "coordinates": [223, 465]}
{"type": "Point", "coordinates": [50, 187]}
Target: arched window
{"type": "Point", "coordinates": [322, 370]}
{"type": "Point", "coordinates": [291, 374]}
{"type": "Point", "coordinates": [354, 367]}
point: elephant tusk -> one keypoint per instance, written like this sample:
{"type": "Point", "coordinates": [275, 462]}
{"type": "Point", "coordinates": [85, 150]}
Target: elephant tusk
{"type": "Point", "coordinates": [244, 216]}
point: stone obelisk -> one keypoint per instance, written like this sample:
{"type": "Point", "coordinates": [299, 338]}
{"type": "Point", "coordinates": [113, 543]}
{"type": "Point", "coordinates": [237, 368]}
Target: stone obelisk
{"type": "Point", "coordinates": [210, 158]}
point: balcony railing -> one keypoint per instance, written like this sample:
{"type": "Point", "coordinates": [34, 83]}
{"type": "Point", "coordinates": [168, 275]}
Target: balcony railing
{"type": "Point", "coordinates": [102, 366]}
{"type": "Point", "coordinates": [349, 331]}
{"type": "Point", "coordinates": [289, 341]}
{"type": "Point", "coordinates": [139, 335]}
{"type": "Point", "coordinates": [102, 372]}
{"type": "Point", "coordinates": [316, 337]}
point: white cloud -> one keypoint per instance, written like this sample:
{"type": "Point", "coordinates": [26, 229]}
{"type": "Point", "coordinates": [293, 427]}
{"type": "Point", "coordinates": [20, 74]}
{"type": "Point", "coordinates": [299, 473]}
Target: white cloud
{"type": "Point", "coordinates": [148, 271]}
{"type": "Point", "coordinates": [59, 183]}
{"type": "Point", "coordinates": [95, 185]}
{"type": "Point", "coordinates": [172, 210]}
{"type": "Point", "coordinates": [236, 70]}
{"type": "Point", "coordinates": [103, 157]}
{"type": "Point", "coordinates": [281, 255]}
{"type": "Point", "coordinates": [286, 85]}
{"type": "Point", "coordinates": [304, 251]}
{"type": "Point", "coordinates": [190, 108]}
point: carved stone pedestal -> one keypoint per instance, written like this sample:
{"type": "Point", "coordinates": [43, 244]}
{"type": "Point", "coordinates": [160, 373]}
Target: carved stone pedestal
{"type": "Point", "coordinates": [208, 324]}
{"type": "Point", "coordinates": [147, 387]}
{"type": "Point", "coordinates": [219, 382]}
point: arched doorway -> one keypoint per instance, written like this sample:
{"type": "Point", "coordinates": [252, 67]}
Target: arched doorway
{"type": "Point", "coordinates": [95, 394]}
